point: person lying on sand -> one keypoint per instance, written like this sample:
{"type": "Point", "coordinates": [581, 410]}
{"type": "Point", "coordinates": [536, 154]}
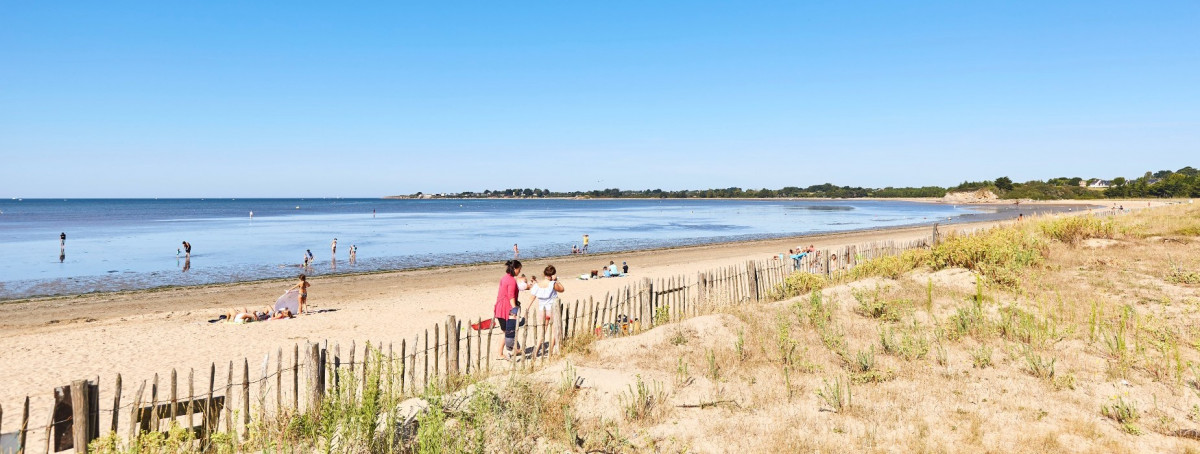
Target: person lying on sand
{"type": "Point", "coordinates": [245, 315]}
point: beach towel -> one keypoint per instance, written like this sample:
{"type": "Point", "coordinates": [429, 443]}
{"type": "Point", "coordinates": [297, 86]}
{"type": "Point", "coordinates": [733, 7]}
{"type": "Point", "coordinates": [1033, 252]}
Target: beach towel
{"type": "Point", "coordinates": [290, 301]}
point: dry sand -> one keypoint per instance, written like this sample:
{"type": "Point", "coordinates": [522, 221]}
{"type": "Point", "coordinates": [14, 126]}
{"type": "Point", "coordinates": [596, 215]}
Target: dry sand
{"type": "Point", "coordinates": [49, 342]}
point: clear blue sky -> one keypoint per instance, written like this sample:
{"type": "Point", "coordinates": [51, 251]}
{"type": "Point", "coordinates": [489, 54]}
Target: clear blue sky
{"type": "Point", "coordinates": [245, 99]}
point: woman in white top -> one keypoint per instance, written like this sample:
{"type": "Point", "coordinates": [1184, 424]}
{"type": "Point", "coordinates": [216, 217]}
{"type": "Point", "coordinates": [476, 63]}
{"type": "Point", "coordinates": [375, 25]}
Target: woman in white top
{"type": "Point", "coordinates": [546, 294]}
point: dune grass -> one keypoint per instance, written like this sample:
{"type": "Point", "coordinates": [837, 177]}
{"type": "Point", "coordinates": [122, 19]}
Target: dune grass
{"type": "Point", "coordinates": [1052, 346]}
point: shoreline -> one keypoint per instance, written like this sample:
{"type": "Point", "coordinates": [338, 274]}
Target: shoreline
{"type": "Point", "coordinates": [51, 341]}
{"type": "Point", "coordinates": [988, 209]}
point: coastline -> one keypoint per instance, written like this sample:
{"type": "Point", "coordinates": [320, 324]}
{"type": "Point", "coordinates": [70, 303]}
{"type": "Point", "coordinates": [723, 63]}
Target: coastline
{"type": "Point", "coordinates": [34, 290]}
{"type": "Point", "coordinates": [51, 341]}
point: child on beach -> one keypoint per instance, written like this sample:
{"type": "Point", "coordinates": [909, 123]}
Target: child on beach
{"type": "Point", "coordinates": [546, 294]}
{"type": "Point", "coordinates": [303, 286]}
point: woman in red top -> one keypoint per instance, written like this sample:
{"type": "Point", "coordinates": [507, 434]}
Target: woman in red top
{"type": "Point", "coordinates": [506, 301]}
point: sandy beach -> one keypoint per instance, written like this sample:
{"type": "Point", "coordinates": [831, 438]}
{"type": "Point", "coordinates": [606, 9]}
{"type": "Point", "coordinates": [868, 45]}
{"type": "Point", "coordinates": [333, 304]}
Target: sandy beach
{"type": "Point", "coordinates": [49, 342]}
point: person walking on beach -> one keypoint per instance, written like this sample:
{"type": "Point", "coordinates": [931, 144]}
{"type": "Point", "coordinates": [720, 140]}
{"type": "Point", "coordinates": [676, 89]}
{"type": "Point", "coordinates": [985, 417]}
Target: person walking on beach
{"type": "Point", "coordinates": [333, 249]}
{"type": "Point", "coordinates": [302, 286]}
{"type": "Point", "coordinates": [506, 302]}
{"type": "Point", "coordinates": [546, 294]}
{"type": "Point", "coordinates": [187, 249]}
{"type": "Point", "coordinates": [585, 244]}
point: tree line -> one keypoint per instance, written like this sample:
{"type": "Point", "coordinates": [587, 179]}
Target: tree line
{"type": "Point", "coordinates": [1184, 182]}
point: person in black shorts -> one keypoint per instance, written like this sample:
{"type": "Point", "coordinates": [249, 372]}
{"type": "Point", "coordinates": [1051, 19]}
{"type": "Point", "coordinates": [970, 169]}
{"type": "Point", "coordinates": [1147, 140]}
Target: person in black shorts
{"type": "Point", "coordinates": [187, 249]}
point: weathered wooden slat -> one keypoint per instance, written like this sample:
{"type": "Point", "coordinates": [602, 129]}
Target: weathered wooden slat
{"type": "Point", "coordinates": [245, 398]}
{"type": "Point", "coordinates": [453, 348]}
{"type": "Point", "coordinates": [154, 414]}
{"type": "Point", "coordinates": [211, 413]}
{"type": "Point", "coordinates": [116, 411]}
{"type": "Point", "coordinates": [81, 414]}
{"type": "Point", "coordinates": [425, 353]}
{"type": "Point", "coordinates": [174, 393]}
{"type": "Point", "coordinates": [263, 386]}
{"type": "Point", "coordinates": [279, 383]}
{"type": "Point", "coordinates": [403, 362]}
{"type": "Point", "coordinates": [351, 386]}
{"type": "Point", "coordinates": [316, 383]}
{"type": "Point", "coordinates": [191, 422]}
{"type": "Point", "coordinates": [23, 435]}
{"type": "Point", "coordinates": [135, 423]}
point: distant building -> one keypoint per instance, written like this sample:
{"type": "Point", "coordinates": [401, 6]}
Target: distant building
{"type": "Point", "coordinates": [1098, 184]}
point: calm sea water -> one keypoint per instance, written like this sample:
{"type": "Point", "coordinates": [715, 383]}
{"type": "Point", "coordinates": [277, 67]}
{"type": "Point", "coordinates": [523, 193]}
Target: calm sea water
{"type": "Point", "coordinates": [132, 244]}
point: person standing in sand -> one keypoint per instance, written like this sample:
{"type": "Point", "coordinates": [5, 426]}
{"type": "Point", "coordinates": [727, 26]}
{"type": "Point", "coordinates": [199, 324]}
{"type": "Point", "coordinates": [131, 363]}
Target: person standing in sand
{"type": "Point", "coordinates": [303, 286]}
{"type": "Point", "coordinates": [546, 294]}
{"type": "Point", "coordinates": [506, 302]}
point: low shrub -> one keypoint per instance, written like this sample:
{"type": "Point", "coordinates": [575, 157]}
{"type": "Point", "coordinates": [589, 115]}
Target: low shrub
{"type": "Point", "coordinates": [799, 283]}
{"type": "Point", "coordinates": [891, 266]}
{"type": "Point", "coordinates": [999, 254]}
{"type": "Point", "coordinates": [1073, 229]}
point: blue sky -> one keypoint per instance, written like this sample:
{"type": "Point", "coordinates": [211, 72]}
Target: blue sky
{"type": "Point", "coordinates": [246, 99]}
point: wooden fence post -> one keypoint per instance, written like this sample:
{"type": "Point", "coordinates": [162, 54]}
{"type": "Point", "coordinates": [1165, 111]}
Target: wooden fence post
{"type": "Point", "coordinates": [81, 414]}
{"type": "Point", "coordinates": [191, 421]}
{"type": "Point", "coordinates": [559, 327]}
{"type": "Point", "coordinates": [279, 383]}
{"type": "Point", "coordinates": [135, 417]}
{"type": "Point", "coordinates": [229, 399]}
{"type": "Point", "coordinates": [23, 434]}
{"type": "Point", "coordinates": [154, 415]}
{"type": "Point", "coordinates": [425, 378]}
{"type": "Point", "coordinates": [316, 384]}
{"type": "Point", "coordinates": [174, 394]}
{"type": "Point", "coordinates": [451, 348]}
{"type": "Point", "coordinates": [437, 341]}
{"type": "Point", "coordinates": [210, 408]}
{"type": "Point", "coordinates": [116, 404]}
{"type": "Point", "coordinates": [296, 377]}
{"type": "Point", "coordinates": [245, 398]}
{"type": "Point", "coordinates": [403, 362]}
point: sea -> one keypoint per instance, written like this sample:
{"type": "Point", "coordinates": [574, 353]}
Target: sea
{"type": "Point", "coordinates": [130, 244]}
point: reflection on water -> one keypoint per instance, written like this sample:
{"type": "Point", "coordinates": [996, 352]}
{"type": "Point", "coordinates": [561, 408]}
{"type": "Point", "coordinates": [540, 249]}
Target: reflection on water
{"type": "Point", "coordinates": [126, 244]}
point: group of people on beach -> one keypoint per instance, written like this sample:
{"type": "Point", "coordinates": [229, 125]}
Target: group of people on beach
{"type": "Point", "coordinates": [799, 253]}
{"type": "Point", "coordinates": [609, 270]}
{"type": "Point", "coordinates": [507, 311]}
{"type": "Point", "coordinates": [309, 259]}
{"type": "Point", "coordinates": [248, 315]}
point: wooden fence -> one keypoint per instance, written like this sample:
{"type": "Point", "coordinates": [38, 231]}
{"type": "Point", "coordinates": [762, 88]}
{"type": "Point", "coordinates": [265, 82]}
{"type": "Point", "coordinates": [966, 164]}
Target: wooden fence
{"type": "Point", "coordinates": [297, 380]}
